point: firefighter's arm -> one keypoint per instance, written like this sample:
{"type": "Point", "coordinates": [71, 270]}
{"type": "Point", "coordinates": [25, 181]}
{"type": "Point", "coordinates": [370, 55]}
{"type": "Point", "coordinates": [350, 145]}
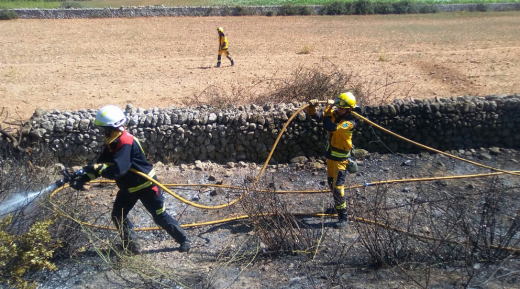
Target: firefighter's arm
{"type": "Point", "coordinates": [221, 42]}
{"type": "Point", "coordinates": [346, 125]}
{"type": "Point", "coordinates": [94, 171]}
{"type": "Point", "coordinates": [122, 164]}
{"type": "Point", "coordinates": [313, 111]}
{"type": "Point", "coordinates": [328, 124]}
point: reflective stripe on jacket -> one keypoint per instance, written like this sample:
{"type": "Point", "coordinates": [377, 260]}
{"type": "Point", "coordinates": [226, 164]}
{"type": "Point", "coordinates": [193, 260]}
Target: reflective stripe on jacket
{"type": "Point", "coordinates": [340, 130]}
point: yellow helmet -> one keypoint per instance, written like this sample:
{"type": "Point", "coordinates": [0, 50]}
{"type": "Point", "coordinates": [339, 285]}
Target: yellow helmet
{"type": "Point", "coordinates": [220, 29]}
{"type": "Point", "coordinates": [345, 100]}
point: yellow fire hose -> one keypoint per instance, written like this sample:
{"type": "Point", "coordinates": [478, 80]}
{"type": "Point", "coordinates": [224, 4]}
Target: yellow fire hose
{"type": "Point", "coordinates": [162, 186]}
{"type": "Point", "coordinates": [431, 149]}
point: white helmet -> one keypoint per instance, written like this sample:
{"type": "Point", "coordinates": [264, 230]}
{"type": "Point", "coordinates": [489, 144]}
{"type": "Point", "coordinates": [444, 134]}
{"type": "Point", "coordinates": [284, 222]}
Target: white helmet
{"type": "Point", "coordinates": [111, 116]}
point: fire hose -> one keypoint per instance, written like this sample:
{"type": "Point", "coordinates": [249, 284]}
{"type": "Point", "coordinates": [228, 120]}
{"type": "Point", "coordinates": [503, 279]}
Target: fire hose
{"type": "Point", "coordinates": [64, 183]}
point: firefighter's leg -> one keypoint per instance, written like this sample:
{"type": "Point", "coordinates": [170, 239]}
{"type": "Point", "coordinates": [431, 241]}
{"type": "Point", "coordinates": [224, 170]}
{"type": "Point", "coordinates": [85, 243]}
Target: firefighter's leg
{"type": "Point", "coordinates": [228, 54]}
{"type": "Point", "coordinates": [338, 192]}
{"type": "Point", "coordinates": [331, 172]}
{"type": "Point", "coordinates": [330, 179]}
{"type": "Point", "coordinates": [219, 58]}
{"type": "Point", "coordinates": [124, 202]}
{"type": "Point", "coordinates": [153, 201]}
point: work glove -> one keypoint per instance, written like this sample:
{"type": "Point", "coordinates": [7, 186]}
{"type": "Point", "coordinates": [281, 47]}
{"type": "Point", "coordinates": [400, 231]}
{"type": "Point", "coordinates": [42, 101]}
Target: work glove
{"type": "Point", "coordinates": [313, 102]}
{"type": "Point", "coordinates": [95, 169]}
{"type": "Point", "coordinates": [79, 183]}
{"type": "Point", "coordinates": [330, 102]}
{"type": "Point", "coordinates": [328, 111]}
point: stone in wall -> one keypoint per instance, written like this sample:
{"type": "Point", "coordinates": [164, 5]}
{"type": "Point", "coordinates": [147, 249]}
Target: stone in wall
{"type": "Point", "coordinates": [248, 133]}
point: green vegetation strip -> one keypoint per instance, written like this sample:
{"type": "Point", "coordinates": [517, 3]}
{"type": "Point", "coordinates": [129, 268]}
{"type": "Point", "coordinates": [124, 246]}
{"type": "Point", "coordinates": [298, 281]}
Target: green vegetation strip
{"type": "Point", "coordinates": [323, 2]}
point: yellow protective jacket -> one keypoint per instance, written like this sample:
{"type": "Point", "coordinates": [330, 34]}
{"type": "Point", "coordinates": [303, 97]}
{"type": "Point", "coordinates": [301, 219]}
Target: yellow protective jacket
{"type": "Point", "coordinates": [339, 128]}
{"type": "Point", "coordinates": [223, 42]}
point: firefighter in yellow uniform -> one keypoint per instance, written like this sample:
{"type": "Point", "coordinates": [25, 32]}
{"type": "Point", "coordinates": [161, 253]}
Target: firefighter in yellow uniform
{"type": "Point", "coordinates": [339, 123]}
{"type": "Point", "coordinates": [223, 47]}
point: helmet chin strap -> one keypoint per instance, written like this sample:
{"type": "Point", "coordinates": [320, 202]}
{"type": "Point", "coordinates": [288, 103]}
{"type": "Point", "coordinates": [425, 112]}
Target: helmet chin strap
{"type": "Point", "coordinates": [114, 134]}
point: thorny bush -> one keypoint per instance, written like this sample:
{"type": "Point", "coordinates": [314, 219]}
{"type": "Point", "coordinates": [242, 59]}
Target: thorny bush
{"type": "Point", "coordinates": [323, 83]}
{"type": "Point", "coordinates": [448, 226]}
{"type": "Point", "coordinates": [278, 229]}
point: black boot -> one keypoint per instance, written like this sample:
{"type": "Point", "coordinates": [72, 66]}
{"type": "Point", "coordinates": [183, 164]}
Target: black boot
{"type": "Point", "coordinates": [330, 211]}
{"type": "Point", "coordinates": [185, 246]}
{"type": "Point", "coordinates": [218, 65]}
{"type": "Point", "coordinates": [128, 236]}
{"type": "Point", "coordinates": [133, 247]}
{"type": "Point", "coordinates": [342, 223]}
{"type": "Point", "coordinates": [342, 219]}
{"type": "Point", "coordinates": [232, 62]}
{"type": "Point", "coordinates": [172, 227]}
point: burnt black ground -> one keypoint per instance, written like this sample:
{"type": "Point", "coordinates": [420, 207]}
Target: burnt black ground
{"type": "Point", "coordinates": [229, 255]}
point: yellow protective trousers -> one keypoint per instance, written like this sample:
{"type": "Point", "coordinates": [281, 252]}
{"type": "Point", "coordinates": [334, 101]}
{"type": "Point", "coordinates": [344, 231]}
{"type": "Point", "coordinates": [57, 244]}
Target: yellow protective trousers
{"type": "Point", "coordinates": [336, 173]}
{"type": "Point", "coordinates": [226, 53]}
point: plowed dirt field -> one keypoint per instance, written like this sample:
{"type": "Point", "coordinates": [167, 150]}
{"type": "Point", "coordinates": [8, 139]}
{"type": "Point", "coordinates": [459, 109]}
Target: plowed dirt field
{"type": "Point", "coordinates": [88, 63]}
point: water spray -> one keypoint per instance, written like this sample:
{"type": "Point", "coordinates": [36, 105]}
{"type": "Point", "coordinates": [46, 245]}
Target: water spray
{"type": "Point", "coordinates": [18, 201]}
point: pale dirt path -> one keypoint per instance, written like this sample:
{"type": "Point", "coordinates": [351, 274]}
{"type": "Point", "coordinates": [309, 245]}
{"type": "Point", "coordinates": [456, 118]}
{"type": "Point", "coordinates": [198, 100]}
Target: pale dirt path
{"type": "Point", "coordinates": [88, 63]}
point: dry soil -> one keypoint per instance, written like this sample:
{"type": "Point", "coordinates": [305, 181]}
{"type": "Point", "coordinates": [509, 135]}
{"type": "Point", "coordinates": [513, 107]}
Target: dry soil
{"type": "Point", "coordinates": [88, 63]}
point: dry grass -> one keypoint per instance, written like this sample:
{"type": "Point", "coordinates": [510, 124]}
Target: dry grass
{"type": "Point", "coordinates": [414, 237]}
{"type": "Point", "coordinates": [278, 229]}
{"type": "Point", "coordinates": [306, 49]}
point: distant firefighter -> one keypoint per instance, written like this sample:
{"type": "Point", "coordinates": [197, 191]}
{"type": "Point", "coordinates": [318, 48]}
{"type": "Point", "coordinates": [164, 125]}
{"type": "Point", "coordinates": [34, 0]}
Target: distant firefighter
{"type": "Point", "coordinates": [223, 47]}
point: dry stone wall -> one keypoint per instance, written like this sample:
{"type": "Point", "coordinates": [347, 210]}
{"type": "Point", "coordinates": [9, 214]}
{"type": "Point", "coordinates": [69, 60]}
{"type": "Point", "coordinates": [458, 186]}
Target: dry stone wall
{"type": "Point", "coordinates": [162, 11]}
{"type": "Point", "coordinates": [142, 11]}
{"type": "Point", "coordinates": [247, 133]}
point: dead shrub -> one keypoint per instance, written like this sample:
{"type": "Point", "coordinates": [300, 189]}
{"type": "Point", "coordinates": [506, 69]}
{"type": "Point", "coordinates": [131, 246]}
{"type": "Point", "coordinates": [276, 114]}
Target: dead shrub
{"type": "Point", "coordinates": [449, 226]}
{"type": "Point", "coordinates": [218, 97]}
{"type": "Point", "coordinates": [377, 91]}
{"type": "Point", "coordinates": [323, 82]}
{"type": "Point", "coordinates": [277, 228]}
{"type": "Point", "coordinates": [326, 81]}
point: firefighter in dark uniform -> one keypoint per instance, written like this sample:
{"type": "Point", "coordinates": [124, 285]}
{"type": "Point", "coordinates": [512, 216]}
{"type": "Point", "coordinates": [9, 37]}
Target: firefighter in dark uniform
{"type": "Point", "coordinates": [339, 123]}
{"type": "Point", "coordinates": [121, 153]}
{"type": "Point", "coordinates": [223, 47]}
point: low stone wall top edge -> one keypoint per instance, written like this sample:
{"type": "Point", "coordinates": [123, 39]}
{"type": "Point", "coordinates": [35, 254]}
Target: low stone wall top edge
{"type": "Point", "coordinates": [275, 108]}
